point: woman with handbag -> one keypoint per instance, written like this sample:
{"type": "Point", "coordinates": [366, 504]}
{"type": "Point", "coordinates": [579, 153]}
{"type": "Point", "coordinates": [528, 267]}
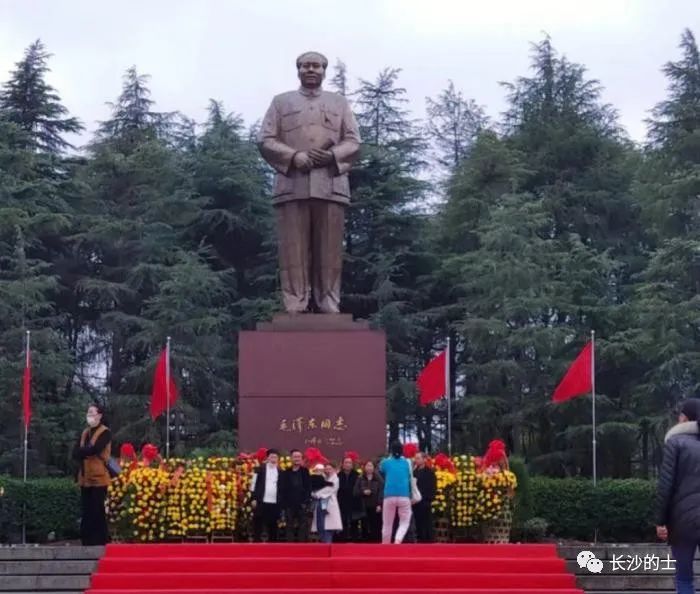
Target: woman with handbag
{"type": "Point", "coordinates": [93, 453]}
{"type": "Point", "coordinates": [399, 491]}
{"type": "Point", "coordinates": [369, 489]}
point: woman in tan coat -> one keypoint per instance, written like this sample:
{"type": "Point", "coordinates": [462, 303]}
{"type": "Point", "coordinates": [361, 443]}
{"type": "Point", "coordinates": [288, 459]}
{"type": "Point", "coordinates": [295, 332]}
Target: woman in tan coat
{"type": "Point", "coordinates": [93, 452]}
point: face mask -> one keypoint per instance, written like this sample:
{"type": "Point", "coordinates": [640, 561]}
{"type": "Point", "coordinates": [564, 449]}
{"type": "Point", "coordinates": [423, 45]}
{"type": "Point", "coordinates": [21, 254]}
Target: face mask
{"type": "Point", "coordinates": [92, 421]}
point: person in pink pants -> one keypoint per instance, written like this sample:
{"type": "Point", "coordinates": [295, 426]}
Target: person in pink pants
{"type": "Point", "coordinates": [397, 474]}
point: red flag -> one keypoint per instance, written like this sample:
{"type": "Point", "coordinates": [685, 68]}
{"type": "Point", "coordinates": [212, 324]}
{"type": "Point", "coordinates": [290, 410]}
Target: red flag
{"type": "Point", "coordinates": [27, 392]}
{"type": "Point", "coordinates": [159, 393]}
{"type": "Point", "coordinates": [578, 379]}
{"type": "Point", "coordinates": [432, 381]}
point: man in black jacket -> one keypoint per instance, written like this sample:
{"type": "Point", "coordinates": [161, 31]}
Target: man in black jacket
{"type": "Point", "coordinates": [423, 510]}
{"type": "Point", "coordinates": [295, 492]}
{"type": "Point", "coordinates": [348, 502]}
{"type": "Point", "coordinates": [265, 498]}
{"type": "Point", "coordinates": [678, 494]}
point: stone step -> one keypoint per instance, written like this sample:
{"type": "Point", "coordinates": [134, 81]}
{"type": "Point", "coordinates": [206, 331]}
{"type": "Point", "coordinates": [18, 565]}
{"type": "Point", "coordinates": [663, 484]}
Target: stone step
{"type": "Point", "coordinates": [43, 583]}
{"type": "Point", "coordinates": [53, 567]}
{"type": "Point", "coordinates": [46, 569]}
{"type": "Point", "coordinates": [573, 567]}
{"type": "Point", "coordinates": [50, 553]}
{"type": "Point", "coordinates": [621, 581]}
{"type": "Point", "coordinates": [624, 582]}
{"type": "Point", "coordinates": [608, 551]}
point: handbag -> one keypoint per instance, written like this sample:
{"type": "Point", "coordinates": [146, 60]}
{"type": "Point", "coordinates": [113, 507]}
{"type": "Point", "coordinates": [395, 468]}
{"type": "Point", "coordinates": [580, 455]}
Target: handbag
{"type": "Point", "coordinates": [416, 497]}
{"type": "Point", "coordinates": [113, 468]}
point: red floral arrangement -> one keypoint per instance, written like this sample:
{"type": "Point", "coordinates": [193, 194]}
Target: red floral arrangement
{"type": "Point", "coordinates": [410, 450]}
{"type": "Point", "coordinates": [495, 455]}
{"type": "Point", "coordinates": [127, 456]}
{"type": "Point", "coordinates": [354, 456]}
{"type": "Point", "coordinates": [127, 451]}
{"type": "Point", "coordinates": [443, 462]}
{"type": "Point", "coordinates": [149, 453]}
{"type": "Point", "coordinates": [314, 456]}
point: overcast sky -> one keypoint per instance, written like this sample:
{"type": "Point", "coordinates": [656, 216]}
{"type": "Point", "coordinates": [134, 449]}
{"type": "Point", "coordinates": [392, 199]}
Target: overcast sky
{"type": "Point", "coordinates": [243, 51]}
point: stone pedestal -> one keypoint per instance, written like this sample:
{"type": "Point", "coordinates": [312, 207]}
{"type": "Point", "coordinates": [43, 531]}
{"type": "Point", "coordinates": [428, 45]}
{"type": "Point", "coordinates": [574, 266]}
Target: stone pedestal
{"type": "Point", "coordinates": [313, 380]}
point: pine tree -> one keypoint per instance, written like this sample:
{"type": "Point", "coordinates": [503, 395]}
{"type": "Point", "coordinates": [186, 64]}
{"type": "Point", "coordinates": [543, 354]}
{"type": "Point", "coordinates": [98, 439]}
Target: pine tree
{"type": "Point", "coordinates": [385, 253]}
{"type": "Point", "coordinates": [533, 219]}
{"type": "Point", "coordinates": [30, 102]}
{"type": "Point", "coordinates": [28, 289]}
{"type": "Point", "coordinates": [340, 79]}
{"type": "Point", "coordinates": [138, 203]}
{"type": "Point", "coordinates": [236, 219]}
{"type": "Point", "coordinates": [453, 123]}
{"type": "Point", "coordinates": [667, 303]}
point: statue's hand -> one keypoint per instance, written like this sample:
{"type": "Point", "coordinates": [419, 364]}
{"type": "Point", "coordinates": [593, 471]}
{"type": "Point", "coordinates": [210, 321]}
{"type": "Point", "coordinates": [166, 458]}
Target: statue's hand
{"type": "Point", "coordinates": [303, 162]}
{"type": "Point", "coordinates": [320, 157]}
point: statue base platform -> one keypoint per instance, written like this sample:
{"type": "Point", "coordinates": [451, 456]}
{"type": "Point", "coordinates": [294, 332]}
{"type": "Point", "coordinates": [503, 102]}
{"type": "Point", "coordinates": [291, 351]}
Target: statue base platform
{"type": "Point", "coordinates": [313, 380]}
{"type": "Point", "coordinates": [312, 322]}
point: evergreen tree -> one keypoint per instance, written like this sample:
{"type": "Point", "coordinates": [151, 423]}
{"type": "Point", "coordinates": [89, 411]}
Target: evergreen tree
{"type": "Point", "coordinates": [133, 120]}
{"type": "Point", "coordinates": [236, 224]}
{"type": "Point", "coordinates": [667, 303]}
{"type": "Point", "coordinates": [534, 218]}
{"type": "Point", "coordinates": [138, 203]}
{"type": "Point", "coordinates": [28, 288]}
{"type": "Point", "coordinates": [453, 124]}
{"type": "Point", "coordinates": [340, 79]}
{"type": "Point", "coordinates": [385, 250]}
{"type": "Point", "coordinates": [27, 100]}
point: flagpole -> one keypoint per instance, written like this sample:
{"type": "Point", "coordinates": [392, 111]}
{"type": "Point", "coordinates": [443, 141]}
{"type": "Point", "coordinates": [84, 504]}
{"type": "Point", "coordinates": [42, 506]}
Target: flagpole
{"type": "Point", "coordinates": [448, 395]}
{"type": "Point", "coordinates": [595, 466]}
{"type": "Point", "coordinates": [26, 436]}
{"type": "Point", "coordinates": [26, 425]}
{"type": "Point", "coordinates": [167, 398]}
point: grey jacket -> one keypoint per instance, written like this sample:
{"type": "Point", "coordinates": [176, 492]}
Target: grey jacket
{"type": "Point", "coordinates": [678, 490]}
{"type": "Point", "coordinates": [299, 121]}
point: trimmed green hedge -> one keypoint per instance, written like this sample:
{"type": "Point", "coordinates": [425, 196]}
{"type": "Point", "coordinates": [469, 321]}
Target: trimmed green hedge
{"type": "Point", "coordinates": [621, 509]}
{"type": "Point", "coordinates": [51, 505]}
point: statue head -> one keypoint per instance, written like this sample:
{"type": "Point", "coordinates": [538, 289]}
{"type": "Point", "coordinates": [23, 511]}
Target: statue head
{"type": "Point", "coordinates": [311, 69]}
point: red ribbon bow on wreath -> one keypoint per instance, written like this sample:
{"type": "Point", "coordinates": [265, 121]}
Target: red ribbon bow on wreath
{"type": "Point", "coordinates": [495, 455]}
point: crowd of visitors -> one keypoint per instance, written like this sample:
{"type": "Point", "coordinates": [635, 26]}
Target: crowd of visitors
{"type": "Point", "coordinates": [388, 502]}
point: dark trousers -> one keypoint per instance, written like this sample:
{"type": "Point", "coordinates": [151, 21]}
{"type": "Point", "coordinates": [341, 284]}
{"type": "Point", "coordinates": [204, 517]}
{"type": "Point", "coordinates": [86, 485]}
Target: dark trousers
{"type": "Point", "coordinates": [93, 522]}
{"type": "Point", "coordinates": [297, 524]}
{"type": "Point", "coordinates": [266, 516]}
{"type": "Point", "coordinates": [351, 530]}
{"type": "Point", "coordinates": [684, 553]}
{"type": "Point", "coordinates": [423, 514]}
{"type": "Point", "coordinates": [372, 526]}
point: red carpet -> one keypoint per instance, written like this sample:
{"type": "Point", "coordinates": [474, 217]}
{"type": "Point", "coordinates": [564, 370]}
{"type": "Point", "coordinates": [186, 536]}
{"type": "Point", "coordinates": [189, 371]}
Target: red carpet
{"type": "Point", "coordinates": [339, 569]}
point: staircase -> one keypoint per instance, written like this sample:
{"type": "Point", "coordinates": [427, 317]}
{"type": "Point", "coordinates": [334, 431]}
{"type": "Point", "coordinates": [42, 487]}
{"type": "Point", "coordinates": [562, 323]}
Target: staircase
{"type": "Point", "coordinates": [326, 569]}
{"type": "Point", "coordinates": [47, 570]}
